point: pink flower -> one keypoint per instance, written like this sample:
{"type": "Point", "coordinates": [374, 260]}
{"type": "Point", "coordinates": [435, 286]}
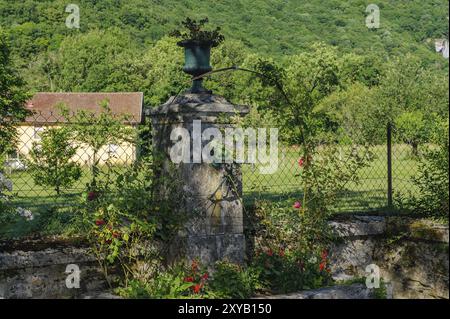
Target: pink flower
{"type": "Point", "coordinates": [301, 161]}
{"type": "Point", "coordinates": [297, 205]}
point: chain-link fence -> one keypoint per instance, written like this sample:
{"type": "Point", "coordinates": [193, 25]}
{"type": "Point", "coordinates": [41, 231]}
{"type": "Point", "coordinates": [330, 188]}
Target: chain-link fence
{"type": "Point", "coordinates": [28, 192]}
{"type": "Point", "coordinates": [390, 170]}
{"type": "Point", "coordinates": [393, 163]}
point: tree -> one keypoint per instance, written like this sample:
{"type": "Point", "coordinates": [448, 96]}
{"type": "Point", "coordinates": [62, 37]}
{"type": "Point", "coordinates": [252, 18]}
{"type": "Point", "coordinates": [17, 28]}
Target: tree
{"type": "Point", "coordinates": [98, 130]}
{"type": "Point", "coordinates": [164, 76]}
{"type": "Point", "coordinates": [412, 97]}
{"type": "Point", "coordinates": [297, 92]}
{"type": "Point", "coordinates": [89, 62]}
{"type": "Point", "coordinates": [412, 129]}
{"type": "Point", "coordinates": [352, 108]}
{"type": "Point", "coordinates": [432, 177]}
{"type": "Point", "coordinates": [51, 164]}
{"type": "Point", "coordinates": [12, 99]}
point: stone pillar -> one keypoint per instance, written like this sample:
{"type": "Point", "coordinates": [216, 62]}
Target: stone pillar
{"type": "Point", "coordinates": [213, 192]}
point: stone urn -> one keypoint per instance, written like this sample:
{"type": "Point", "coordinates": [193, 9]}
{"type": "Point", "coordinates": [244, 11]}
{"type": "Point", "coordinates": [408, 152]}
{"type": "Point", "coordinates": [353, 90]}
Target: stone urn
{"type": "Point", "coordinates": [197, 56]}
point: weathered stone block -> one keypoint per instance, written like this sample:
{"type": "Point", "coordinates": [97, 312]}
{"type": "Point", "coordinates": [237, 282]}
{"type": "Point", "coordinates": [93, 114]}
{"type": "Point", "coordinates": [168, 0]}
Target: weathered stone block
{"type": "Point", "coordinates": [212, 192]}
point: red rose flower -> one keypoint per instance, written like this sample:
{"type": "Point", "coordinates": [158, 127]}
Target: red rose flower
{"type": "Point", "coordinates": [324, 255]}
{"type": "Point", "coordinates": [322, 266]}
{"type": "Point", "coordinates": [188, 279]}
{"type": "Point", "coordinates": [270, 252]}
{"type": "Point", "coordinates": [197, 288]}
{"type": "Point", "coordinates": [297, 205]}
{"type": "Point", "coordinates": [99, 222]}
{"type": "Point", "coordinates": [301, 161]}
{"type": "Point", "coordinates": [205, 276]}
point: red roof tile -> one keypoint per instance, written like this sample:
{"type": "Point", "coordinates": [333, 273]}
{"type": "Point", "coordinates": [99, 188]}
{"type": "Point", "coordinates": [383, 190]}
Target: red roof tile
{"type": "Point", "coordinates": [45, 111]}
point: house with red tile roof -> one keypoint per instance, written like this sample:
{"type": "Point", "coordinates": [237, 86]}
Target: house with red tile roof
{"type": "Point", "coordinates": [46, 112]}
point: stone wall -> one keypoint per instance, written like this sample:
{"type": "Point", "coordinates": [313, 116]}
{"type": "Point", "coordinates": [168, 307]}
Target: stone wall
{"type": "Point", "coordinates": [412, 254]}
{"type": "Point", "coordinates": [37, 269]}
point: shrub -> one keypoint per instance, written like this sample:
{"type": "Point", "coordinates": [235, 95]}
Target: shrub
{"type": "Point", "coordinates": [233, 281]}
{"type": "Point", "coordinates": [177, 281]}
{"type": "Point", "coordinates": [287, 271]}
{"type": "Point", "coordinates": [432, 179]}
{"type": "Point", "coordinates": [51, 164]}
{"type": "Point", "coordinates": [126, 225]}
{"type": "Point", "coordinates": [289, 247]}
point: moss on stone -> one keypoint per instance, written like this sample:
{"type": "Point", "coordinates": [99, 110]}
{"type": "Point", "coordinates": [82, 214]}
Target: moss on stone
{"type": "Point", "coordinates": [399, 227]}
{"type": "Point", "coordinates": [424, 230]}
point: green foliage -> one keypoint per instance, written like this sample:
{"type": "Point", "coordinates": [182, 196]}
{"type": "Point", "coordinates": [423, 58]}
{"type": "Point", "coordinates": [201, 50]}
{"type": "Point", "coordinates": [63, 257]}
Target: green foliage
{"type": "Point", "coordinates": [290, 247]}
{"type": "Point", "coordinates": [5, 207]}
{"type": "Point", "coordinates": [381, 292]}
{"type": "Point", "coordinates": [352, 108]}
{"type": "Point", "coordinates": [169, 285]}
{"type": "Point", "coordinates": [296, 102]}
{"type": "Point", "coordinates": [51, 164]}
{"type": "Point", "coordinates": [407, 85]}
{"type": "Point", "coordinates": [298, 92]}
{"type": "Point", "coordinates": [177, 281]}
{"type": "Point", "coordinates": [96, 61]}
{"type": "Point", "coordinates": [412, 128]}
{"type": "Point", "coordinates": [12, 98]}
{"type": "Point", "coordinates": [195, 32]}
{"type": "Point", "coordinates": [274, 28]}
{"type": "Point", "coordinates": [328, 171]}
{"type": "Point", "coordinates": [163, 64]}
{"type": "Point", "coordinates": [97, 131]}
{"type": "Point", "coordinates": [107, 52]}
{"type": "Point", "coordinates": [127, 225]}
{"type": "Point", "coordinates": [432, 179]}
{"type": "Point", "coordinates": [288, 271]}
{"type": "Point", "coordinates": [233, 281]}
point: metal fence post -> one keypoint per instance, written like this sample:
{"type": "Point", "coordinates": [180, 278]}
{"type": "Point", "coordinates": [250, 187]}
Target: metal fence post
{"type": "Point", "coordinates": [389, 164]}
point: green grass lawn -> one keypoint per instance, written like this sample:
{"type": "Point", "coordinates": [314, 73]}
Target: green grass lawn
{"type": "Point", "coordinates": [28, 195]}
{"type": "Point", "coordinates": [284, 184]}
{"type": "Point", "coordinates": [370, 194]}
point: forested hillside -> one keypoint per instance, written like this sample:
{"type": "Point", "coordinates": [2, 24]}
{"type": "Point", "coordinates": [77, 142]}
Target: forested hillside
{"type": "Point", "coordinates": [271, 27]}
{"type": "Point", "coordinates": [390, 73]}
